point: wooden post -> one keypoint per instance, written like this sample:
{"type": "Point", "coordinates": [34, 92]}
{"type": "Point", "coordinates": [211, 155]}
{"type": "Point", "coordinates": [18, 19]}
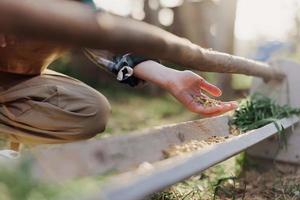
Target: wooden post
{"type": "Point", "coordinates": [286, 92]}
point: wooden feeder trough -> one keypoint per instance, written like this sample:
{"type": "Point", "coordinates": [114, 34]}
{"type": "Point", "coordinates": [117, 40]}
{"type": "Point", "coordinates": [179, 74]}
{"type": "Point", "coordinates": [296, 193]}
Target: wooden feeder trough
{"type": "Point", "coordinates": [139, 159]}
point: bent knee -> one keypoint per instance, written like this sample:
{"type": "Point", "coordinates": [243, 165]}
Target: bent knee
{"type": "Point", "coordinates": [97, 122]}
{"type": "Point", "coordinates": [103, 112]}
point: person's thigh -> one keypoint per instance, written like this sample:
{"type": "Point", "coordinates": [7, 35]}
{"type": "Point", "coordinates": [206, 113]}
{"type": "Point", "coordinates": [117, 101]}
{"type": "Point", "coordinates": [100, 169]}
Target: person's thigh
{"type": "Point", "coordinates": [50, 108]}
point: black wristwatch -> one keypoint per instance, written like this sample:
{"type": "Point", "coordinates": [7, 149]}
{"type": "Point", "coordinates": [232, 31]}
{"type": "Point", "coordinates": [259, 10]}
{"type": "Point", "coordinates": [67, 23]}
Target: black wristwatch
{"type": "Point", "coordinates": [123, 68]}
{"type": "Point", "coordinates": [120, 65]}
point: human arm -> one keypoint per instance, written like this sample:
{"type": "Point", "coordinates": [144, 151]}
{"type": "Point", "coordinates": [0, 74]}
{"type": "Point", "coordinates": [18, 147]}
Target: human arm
{"type": "Point", "coordinates": [75, 24]}
{"type": "Point", "coordinates": [185, 86]}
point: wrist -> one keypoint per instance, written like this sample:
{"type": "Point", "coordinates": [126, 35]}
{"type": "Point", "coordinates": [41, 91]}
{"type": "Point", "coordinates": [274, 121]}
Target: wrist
{"type": "Point", "coordinates": [156, 73]}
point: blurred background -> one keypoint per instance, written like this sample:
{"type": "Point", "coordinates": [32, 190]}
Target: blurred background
{"type": "Point", "coordinates": [257, 29]}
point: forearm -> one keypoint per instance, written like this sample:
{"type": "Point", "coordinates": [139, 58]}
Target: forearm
{"type": "Point", "coordinates": [186, 86]}
{"type": "Point", "coordinates": [60, 21]}
{"type": "Point", "coordinates": [156, 73]}
{"type": "Point", "coordinates": [74, 24]}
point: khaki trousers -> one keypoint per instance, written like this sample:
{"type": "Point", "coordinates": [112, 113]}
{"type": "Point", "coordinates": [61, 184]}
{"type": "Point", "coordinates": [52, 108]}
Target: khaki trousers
{"type": "Point", "coordinates": [49, 108]}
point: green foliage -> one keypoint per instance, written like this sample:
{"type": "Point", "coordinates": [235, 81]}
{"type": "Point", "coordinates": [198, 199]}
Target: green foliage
{"type": "Point", "coordinates": [18, 184]}
{"type": "Point", "coordinates": [258, 111]}
{"type": "Point", "coordinates": [241, 161]}
{"type": "Point", "coordinates": [135, 110]}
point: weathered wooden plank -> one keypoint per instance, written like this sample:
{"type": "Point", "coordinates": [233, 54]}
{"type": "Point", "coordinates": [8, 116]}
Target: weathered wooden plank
{"type": "Point", "coordinates": [137, 184]}
{"type": "Point", "coordinates": [285, 92]}
{"type": "Point", "coordinates": [123, 152]}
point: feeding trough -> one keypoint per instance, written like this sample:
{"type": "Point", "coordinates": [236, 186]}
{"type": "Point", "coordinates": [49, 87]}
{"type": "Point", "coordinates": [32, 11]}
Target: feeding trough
{"type": "Point", "coordinates": [139, 159]}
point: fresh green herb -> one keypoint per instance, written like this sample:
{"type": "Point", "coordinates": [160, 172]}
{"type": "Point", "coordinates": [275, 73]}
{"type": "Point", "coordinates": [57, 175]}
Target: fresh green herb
{"type": "Point", "coordinates": [259, 110]}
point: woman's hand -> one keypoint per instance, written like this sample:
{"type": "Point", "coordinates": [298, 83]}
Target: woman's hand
{"type": "Point", "coordinates": [186, 86]}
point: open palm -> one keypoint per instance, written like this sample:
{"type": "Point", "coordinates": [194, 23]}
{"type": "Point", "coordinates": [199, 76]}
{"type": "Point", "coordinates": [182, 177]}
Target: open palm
{"type": "Point", "coordinates": [188, 86]}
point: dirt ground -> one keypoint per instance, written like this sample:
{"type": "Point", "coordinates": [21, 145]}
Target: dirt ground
{"type": "Point", "coordinates": [270, 180]}
{"type": "Point", "coordinates": [241, 177]}
{"type": "Point", "coordinates": [263, 180]}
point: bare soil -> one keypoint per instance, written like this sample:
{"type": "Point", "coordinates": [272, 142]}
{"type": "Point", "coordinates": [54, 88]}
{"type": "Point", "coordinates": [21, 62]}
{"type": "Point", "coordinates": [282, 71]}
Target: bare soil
{"type": "Point", "coordinates": [264, 180]}
{"type": "Point", "coordinates": [271, 180]}
{"type": "Point", "coordinates": [260, 179]}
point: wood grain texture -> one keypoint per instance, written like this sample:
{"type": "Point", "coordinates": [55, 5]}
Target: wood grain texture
{"type": "Point", "coordinates": [123, 152]}
{"type": "Point", "coordinates": [137, 184]}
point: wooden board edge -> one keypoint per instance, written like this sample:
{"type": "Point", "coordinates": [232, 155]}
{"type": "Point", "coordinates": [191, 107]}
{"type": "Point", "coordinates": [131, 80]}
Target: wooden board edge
{"type": "Point", "coordinates": [138, 184]}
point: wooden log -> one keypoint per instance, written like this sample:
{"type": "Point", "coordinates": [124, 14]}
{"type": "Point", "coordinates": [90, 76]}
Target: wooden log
{"type": "Point", "coordinates": [138, 184]}
{"type": "Point", "coordinates": [120, 153]}
{"type": "Point", "coordinates": [74, 24]}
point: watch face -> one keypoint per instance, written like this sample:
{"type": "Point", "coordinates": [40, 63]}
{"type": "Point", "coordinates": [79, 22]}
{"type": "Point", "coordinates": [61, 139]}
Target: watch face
{"type": "Point", "coordinates": [124, 73]}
